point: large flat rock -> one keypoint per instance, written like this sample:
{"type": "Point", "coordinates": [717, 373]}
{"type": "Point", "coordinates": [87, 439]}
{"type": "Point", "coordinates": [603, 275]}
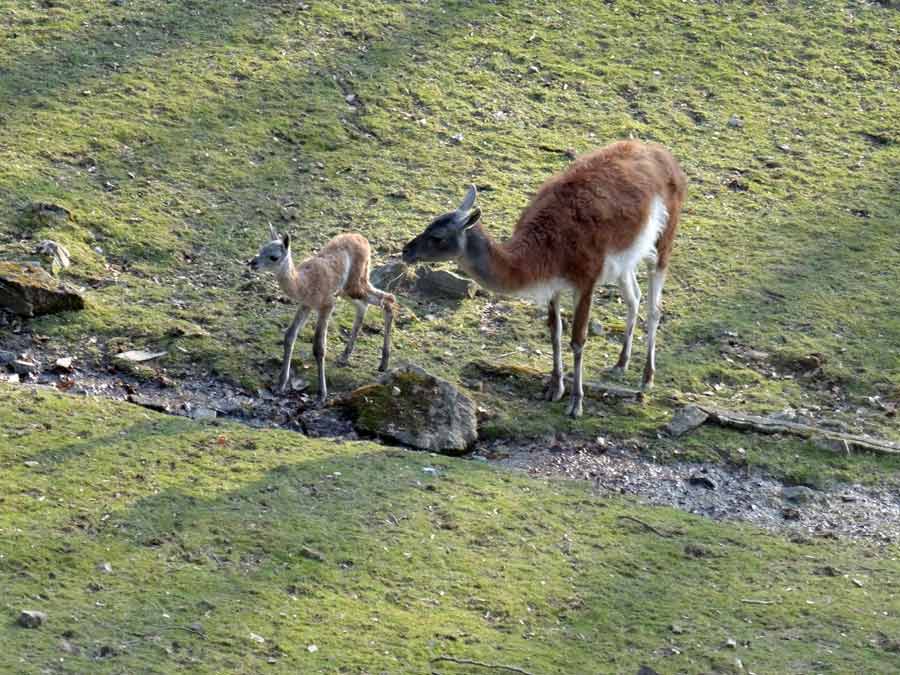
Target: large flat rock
{"type": "Point", "coordinates": [28, 290]}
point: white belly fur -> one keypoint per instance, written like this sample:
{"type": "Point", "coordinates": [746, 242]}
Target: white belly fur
{"type": "Point", "coordinates": [624, 262]}
{"type": "Point", "coordinates": [617, 264]}
{"type": "Point", "coordinates": [542, 293]}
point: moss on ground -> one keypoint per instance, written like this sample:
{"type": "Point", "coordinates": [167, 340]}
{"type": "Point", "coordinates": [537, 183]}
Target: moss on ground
{"type": "Point", "coordinates": [173, 131]}
{"type": "Point", "coordinates": [158, 544]}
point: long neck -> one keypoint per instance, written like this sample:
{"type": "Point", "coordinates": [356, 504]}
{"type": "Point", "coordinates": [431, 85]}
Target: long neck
{"type": "Point", "coordinates": [493, 265]}
{"type": "Point", "coordinates": [288, 278]}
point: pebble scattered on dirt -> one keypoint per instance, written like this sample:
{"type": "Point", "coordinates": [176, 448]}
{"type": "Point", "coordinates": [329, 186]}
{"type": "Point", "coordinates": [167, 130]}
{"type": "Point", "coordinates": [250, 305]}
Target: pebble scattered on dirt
{"type": "Point", "coordinates": [715, 491]}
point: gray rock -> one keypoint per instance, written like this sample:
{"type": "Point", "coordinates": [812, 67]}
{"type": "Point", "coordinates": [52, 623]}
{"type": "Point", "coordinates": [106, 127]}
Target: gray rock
{"type": "Point", "coordinates": [26, 367]}
{"type": "Point", "coordinates": [6, 357]}
{"type": "Point", "coordinates": [429, 413]}
{"type": "Point", "coordinates": [684, 420]}
{"type": "Point", "coordinates": [42, 214]}
{"type": "Point", "coordinates": [799, 494]}
{"type": "Point", "coordinates": [392, 276]}
{"type": "Point", "coordinates": [31, 619]}
{"type": "Point", "coordinates": [735, 122]}
{"type": "Point", "coordinates": [702, 481]}
{"type": "Point", "coordinates": [446, 284]}
{"type": "Point", "coordinates": [149, 403]}
{"type": "Point", "coordinates": [203, 414]}
{"type": "Point", "coordinates": [28, 290]}
{"type": "Point", "coordinates": [54, 255]}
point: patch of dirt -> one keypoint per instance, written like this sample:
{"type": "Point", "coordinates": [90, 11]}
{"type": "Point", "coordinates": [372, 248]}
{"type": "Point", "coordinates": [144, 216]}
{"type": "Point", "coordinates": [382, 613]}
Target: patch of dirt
{"type": "Point", "coordinates": [720, 492]}
{"type": "Point", "coordinates": [716, 491]}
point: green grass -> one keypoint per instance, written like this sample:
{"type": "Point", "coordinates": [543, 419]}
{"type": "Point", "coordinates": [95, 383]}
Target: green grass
{"type": "Point", "coordinates": [174, 131]}
{"type": "Point", "coordinates": [207, 524]}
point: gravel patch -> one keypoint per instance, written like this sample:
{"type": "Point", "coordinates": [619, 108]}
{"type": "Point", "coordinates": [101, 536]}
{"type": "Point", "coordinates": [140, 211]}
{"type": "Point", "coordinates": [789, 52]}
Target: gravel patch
{"type": "Point", "coordinates": [720, 492]}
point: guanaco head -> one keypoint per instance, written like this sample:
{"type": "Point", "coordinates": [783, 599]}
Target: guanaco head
{"type": "Point", "coordinates": [445, 236]}
{"type": "Point", "coordinates": [273, 253]}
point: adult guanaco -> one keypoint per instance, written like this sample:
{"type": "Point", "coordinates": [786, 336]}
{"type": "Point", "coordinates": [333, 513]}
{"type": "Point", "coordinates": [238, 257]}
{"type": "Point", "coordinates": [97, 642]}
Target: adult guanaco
{"type": "Point", "coordinates": [594, 222]}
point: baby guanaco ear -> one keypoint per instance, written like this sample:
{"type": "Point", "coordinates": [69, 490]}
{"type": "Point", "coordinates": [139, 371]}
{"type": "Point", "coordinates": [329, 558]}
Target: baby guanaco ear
{"type": "Point", "coordinates": [286, 242]}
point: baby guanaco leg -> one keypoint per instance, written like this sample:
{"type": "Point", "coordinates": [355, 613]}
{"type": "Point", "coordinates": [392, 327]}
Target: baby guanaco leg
{"type": "Point", "coordinates": [290, 337]}
{"type": "Point", "coordinates": [319, 343]}
{"type": "Point", "coordinates": [387, 302]}
{"type": "Point", "coordinates": [361, 308]}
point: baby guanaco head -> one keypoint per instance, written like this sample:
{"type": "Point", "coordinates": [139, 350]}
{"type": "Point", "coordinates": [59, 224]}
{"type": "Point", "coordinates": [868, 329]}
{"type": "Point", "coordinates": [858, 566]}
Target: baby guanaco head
{"type": "Point", "coordinates": [273, 253]}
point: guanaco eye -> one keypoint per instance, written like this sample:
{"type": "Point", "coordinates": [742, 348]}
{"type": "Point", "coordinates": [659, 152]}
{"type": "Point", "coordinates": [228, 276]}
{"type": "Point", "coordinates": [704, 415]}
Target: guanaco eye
{"type": "Point", "coordinates": [273, 257]}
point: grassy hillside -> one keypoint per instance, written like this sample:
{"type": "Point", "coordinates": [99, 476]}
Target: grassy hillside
{"type": "Point", "coordinates": [174, 131]}
{"type": "Point", "coordinates": [155, 544]}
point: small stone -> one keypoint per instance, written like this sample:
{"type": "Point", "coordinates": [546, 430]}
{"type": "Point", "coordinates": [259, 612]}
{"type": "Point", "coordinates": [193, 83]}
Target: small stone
{"type": "Point", "coordinates": [735, 122]}
{"type": "Point", "coordinates": [197, 627]}
{"type": "Point", "coordinates": [571, 153]}
{"type": "Point", "coordinates": [857, 583]}
{"type": "Point", "coordinates": [46, 215]}
{"type": "Point", "coordinates": [456, 139]}
{"type": "Point", "coordinates": [31, 463]}
{"type": "Point", "coordinates": [203, 414]}
{"type": "Point", "coordinates": [299, 384]}
{"type": "Point", "coordinates": [685, 419]}
{"type": "Point", "coordinates": [6, 357]}
{"type": "Point", "coordinates": [396, 391]}
{"type": "Point", "coordinates": [54, 255]}
{"type": "Point", "coordinates": [799, 494]}
{"type": "Point", "coordinates": [25, 367]}
{"type": "Point", "coordinates": [730, 643]}
{"type": "Point", "coordinates": [595, 328]}
{"type": "Point", "coordinates": [350, 98]}
{"type": "Point", "coordinates": [64, 364]}
{"type": "Point", "coordinates": [312, 554]}
{"type": "Point", "coordinates": [789, 513]}
{"type": "Point", "coordinates": [139, 355]}
{"type": "Point", "coordinates": [31, 619]}
{"type": "Point", "coordinates": [149, 403]}
{"type": "Point", "coordinates": [68, 647]}
{"type": "Point", "coordinates": [703, 481]}
{"type": "Point", "coordinates": [312, 649]}
{"type": "Point", "coordinates": [676, 628]}
{"type": "Point", "coordinates": [104, 567]}
{"type": "Point", "coordinates": [257, 638]}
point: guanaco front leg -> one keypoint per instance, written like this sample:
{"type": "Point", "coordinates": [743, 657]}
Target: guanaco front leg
{"type": "Point", "coordinates": [290, 337]}
{"type": "Point", "coordinates": [319, 344]}
{"type": "Point", "coordinates": [579, 336]}
{"type": "Point", "coordinates": [557, 387]}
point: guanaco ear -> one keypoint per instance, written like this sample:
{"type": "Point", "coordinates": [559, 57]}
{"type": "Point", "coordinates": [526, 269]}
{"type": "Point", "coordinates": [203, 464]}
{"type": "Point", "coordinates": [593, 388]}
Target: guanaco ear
{"type": "Point", "coordinates": [286, 241]}
{"type": "Point", "coordinates": [272, 232]}
{"type": "Point", "coordinates": [469, 201]}
{"type": "Point", "coordinates": [471, 220]}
